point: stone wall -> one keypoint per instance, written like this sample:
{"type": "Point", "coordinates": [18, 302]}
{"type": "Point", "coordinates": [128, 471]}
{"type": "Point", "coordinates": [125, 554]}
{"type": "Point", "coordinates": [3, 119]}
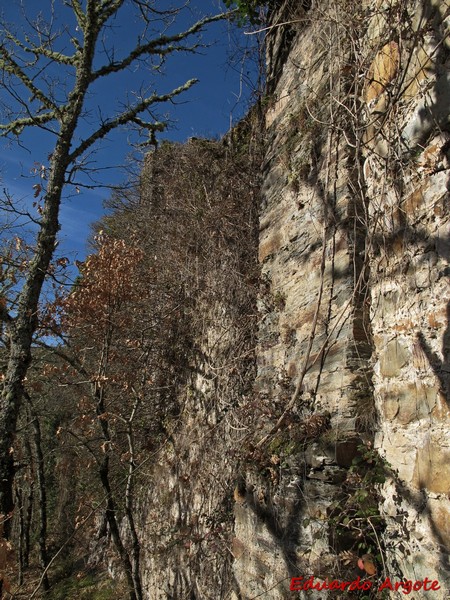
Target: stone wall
{"type": "Point", "coordinates": [340, 445]}
{"type": "Point", "coordinates": [408, 181]}
{"type": "Point", "coordinates": [198, 209]}
{"type": "Point", "coordinates": [354, 249]}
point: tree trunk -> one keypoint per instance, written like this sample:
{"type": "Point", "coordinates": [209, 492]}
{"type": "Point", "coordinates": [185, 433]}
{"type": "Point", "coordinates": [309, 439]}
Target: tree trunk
{"type": "Point", "coordinates": [21, 535]}
{"type": "Point", "coordinates": [29, 507]}
{"type": "Point", "coordinates": [22, 327]}
{"type": "Point", "coordinates": [114, 529]}
{"type": "Point", "coordinates": [9, 410]}
{"type": "Point", "coordinates": [129, 509]}
{"type": "Point", "coordinates": [42, 498]}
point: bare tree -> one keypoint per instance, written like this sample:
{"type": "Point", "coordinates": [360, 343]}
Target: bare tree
{"type": "Point", "coordinates": [49, 76]}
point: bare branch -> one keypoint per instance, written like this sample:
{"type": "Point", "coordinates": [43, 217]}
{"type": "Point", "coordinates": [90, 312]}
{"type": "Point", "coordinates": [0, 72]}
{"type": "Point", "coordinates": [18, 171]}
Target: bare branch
{"type": "Point", "coordinates": [129, 116]}
{"type": "Point", "coordinates": [159, 46]}
{"type": "Point", "coordinates": [78, 11]}
{"type": "Point", "coordinates": [16, 127]}
{"type": "Point", "coordinates": [106, 8]}
{"type": "Point", "coordinates": [41, 50]}
{"type": "Point", "coordinates": [9, 65]}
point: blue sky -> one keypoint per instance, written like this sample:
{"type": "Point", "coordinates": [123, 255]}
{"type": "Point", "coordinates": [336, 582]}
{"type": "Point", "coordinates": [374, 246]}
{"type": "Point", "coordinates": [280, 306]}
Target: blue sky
{"type": "Point", "coordinates": [206, 110]}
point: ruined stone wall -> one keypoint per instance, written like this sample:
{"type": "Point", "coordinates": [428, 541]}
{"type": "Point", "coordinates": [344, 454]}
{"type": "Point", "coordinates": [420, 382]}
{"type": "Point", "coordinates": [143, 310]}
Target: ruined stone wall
{"type": "Point", "coordinates": [353, 346]}
{"type": "Point", "coordinates": [407, 175]}
{"type": "Point", "coordinates": [198, 208]}
{"type": "Point", "coordinates": [339, 446]}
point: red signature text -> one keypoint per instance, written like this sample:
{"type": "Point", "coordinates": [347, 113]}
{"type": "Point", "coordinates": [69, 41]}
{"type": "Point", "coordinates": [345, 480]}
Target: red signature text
{"type": "Point", "coordinates": [299, 584]}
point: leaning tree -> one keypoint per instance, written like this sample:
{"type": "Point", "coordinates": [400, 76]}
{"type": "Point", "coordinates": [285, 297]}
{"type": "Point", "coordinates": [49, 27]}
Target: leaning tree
{"type": "Point", "coordinates": [50, 73]}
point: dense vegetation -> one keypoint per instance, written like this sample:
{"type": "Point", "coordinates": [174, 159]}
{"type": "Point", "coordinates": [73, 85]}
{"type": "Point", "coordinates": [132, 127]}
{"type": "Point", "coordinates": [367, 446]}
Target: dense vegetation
{"type": "Point", "coordinates": [174, 252]}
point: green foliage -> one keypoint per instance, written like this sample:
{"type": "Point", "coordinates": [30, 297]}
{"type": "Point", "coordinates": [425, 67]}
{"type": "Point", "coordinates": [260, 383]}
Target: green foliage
{"type": "Point", "coordinates": [376, 466]}
{"type": "Point", "coordinates": [354, 515]}
{"type": "Point", "coordinates": [247, 10]}
{"type": "Point", "coordinates": [82, 586]}
{"type": "Point", "coordinates": [283, 445]}
{"type": "Point", "coordinates": [279, 300]}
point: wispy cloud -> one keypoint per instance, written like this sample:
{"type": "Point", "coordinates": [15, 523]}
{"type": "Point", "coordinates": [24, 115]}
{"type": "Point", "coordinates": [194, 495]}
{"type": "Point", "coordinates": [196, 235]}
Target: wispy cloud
{"type": "Point", "coordinates": [76, 219]}
{"type": "Point", "coordinates": [76, 216]}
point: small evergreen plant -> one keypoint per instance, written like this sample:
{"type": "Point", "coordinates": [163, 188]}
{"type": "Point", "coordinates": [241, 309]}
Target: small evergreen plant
{"type": "Point", "coordinates": [247, 10]}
